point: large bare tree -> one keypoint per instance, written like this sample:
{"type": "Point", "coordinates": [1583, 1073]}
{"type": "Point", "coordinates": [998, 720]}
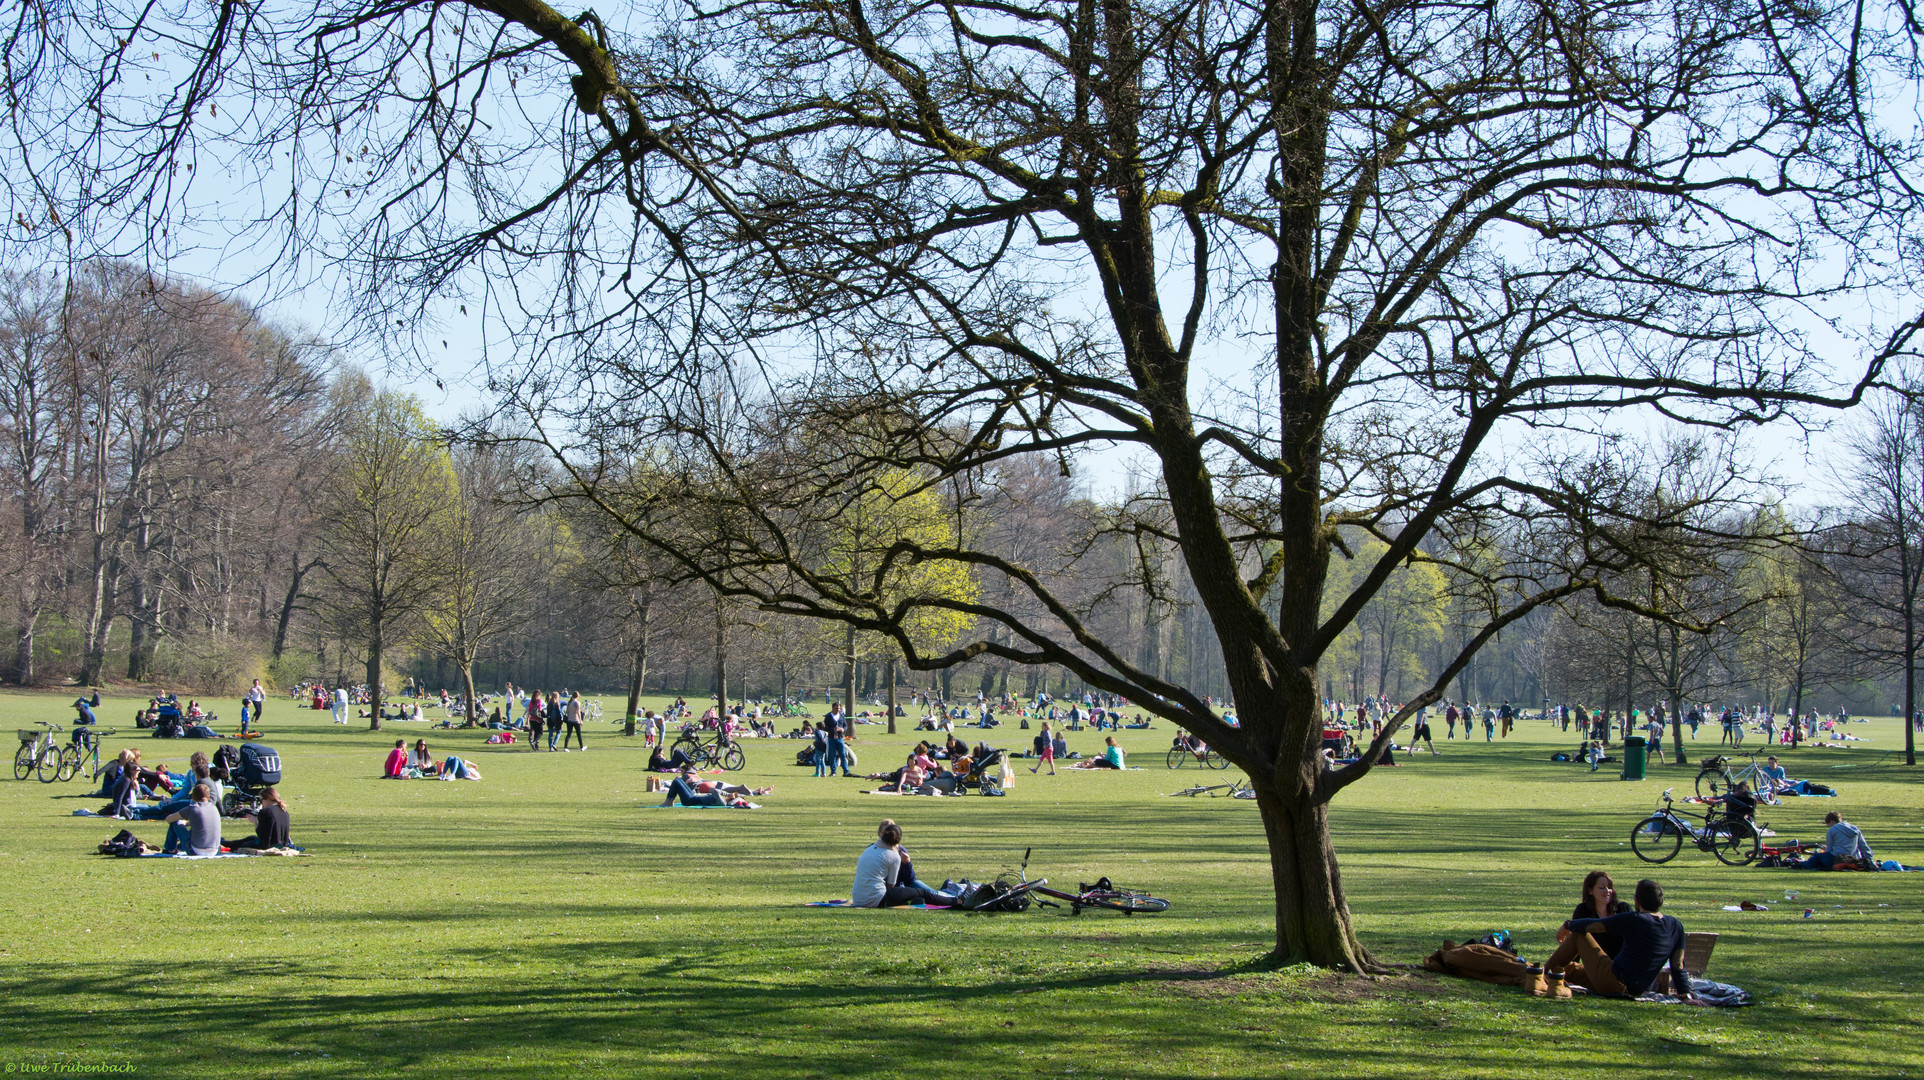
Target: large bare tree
{"type": "Point", "coordinates": [1452, 240]}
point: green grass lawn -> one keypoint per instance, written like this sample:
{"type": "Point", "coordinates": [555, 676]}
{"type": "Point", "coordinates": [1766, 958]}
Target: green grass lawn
{"type": "Point", "coordinates": [540, 923]}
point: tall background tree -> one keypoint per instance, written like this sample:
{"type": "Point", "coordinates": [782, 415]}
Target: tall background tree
{"type": "Point", "coordinates": [393, 501]}
{"type": "Point", "coordinates": [1883, 540]}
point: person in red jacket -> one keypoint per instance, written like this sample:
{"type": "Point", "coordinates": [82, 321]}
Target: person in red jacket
{"type": "Point", "coordinates": [397, 760]}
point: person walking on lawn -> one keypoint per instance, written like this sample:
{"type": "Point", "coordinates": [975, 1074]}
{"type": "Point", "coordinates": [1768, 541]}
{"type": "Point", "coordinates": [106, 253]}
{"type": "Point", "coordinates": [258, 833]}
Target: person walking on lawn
{"type": "Point", "coordinates": [1045, 748]}
{"type": "Point", "coordinates": [555, 718]}
{"type": "Point", "coordinates": [537, 719]}
{"type": "Point", "coordinates": [573, 719]}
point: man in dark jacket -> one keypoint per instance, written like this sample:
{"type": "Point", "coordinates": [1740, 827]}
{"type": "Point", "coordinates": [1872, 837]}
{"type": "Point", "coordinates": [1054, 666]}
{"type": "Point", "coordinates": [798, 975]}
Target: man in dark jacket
{"type": "Point", "coordinates": [1650, 941]}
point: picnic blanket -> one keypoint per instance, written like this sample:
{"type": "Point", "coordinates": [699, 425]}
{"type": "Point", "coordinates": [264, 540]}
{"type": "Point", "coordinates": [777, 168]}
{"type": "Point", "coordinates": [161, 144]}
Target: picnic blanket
{"type": "Point", "coordinates": [244, 853]}
{"type": "Point", "coordinates": [698, 806]}
{"type": "Point", "coordinates": [1802, 787]}
{"type": "Point", "coordinates": [894, 907]}
{"type": "Point", "coordinates": [1722, 995]}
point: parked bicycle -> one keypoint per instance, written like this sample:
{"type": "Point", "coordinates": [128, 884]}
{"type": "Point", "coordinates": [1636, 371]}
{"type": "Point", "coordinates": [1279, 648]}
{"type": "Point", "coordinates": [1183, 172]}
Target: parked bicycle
{"type": "Point", "coordinates": [1187, 750]}
{"type": "Point", "coordinates": [39, 752]}
{"type": "Point", "coordinates": [1012, 891]}
{"type": "Point", "coordinates": [707, 753]}
{"type": "Point", "coordinates": [1718, 775]}
{"type": "Point", "coordinates": [82, 752]}
{"type": "Point", "coordinates": [1658, 838]}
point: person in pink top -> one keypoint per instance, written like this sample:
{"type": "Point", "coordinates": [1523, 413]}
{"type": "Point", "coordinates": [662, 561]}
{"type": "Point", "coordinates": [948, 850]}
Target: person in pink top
{"type": "Point", "coordinates": [397, 760]}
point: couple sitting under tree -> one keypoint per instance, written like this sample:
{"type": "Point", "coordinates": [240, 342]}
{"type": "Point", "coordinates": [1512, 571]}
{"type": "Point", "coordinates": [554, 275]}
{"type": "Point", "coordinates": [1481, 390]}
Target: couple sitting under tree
{"type": "Point", "coordinates": [1611, 948]}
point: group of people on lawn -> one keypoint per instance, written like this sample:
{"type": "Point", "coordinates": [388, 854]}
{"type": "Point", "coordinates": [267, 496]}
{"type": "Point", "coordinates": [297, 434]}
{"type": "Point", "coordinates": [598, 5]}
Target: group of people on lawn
{"type": "Point", "coordinates": [189, 803]}
{"type": "Point", "coordinates": [419, 764]}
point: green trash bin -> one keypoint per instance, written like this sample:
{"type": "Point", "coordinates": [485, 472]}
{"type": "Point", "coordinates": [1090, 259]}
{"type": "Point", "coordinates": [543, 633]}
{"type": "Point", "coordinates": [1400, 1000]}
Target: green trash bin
{"type": "Point", "coordinates": [1636, 755]}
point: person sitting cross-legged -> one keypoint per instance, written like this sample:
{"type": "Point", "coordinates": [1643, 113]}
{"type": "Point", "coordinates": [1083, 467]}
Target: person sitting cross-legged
{"type": "Point", "coordinates": [195, 829]}
{"type": "Point", "coordinates": [1650, 939]}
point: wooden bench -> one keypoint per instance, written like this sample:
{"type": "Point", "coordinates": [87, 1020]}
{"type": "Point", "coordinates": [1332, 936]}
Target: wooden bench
{"type": "Point", "coordinates": [1696, 959]}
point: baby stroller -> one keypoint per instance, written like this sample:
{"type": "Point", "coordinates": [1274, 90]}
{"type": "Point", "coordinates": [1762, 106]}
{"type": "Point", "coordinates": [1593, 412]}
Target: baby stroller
{"type": "Point", "coordinates": [985, 772]}
{"type": "Point", "coordinates": [258, 770]}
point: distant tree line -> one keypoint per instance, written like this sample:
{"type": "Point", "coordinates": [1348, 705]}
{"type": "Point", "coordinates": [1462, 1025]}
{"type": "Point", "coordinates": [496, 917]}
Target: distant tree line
{"type": "Point", "coordinates": [194, 496]}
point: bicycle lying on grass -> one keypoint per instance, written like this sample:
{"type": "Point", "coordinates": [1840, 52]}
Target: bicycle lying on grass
{"type": "Point", "coordinates": [1014, 891]}
{"type": "Point", "coordinates": [1235, 789]}
{"type": "Point", "coordinates": [1659, 837]}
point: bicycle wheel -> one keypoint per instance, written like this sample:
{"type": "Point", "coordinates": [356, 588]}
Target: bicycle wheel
{"type": "Point", "coordinates": [1735, 844]}
{"type": "Point", "coordinates": [23, 761]}
{"type": "Point", "coordinates": [1656, 839]}
{"type": "Point", "coordinates": [733, 759]}
{"type": "Point", "coordinates": [1214, 760]}
{"type": "Point", "coordinates": [1712, 783]}
{"type": "Point", "coordinates": [687, 745]}
{"type": "Point", "coordinates": [69, 763]}
{"type": "Point", "coordinates": [1173, 759]}
{"type": "Point", "coordinates": [48, 766]}
{"type": "Point", "coordinates": [1129, 903]}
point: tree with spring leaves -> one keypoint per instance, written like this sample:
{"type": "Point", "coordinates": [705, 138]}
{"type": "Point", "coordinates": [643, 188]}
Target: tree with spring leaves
{"type": "Point", "coordinates": [392, 497]}
{"type": "Point", "coordinates": [1455, 239]}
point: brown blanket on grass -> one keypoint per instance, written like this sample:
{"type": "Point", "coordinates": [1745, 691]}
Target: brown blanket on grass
{"type": "Point", "coordinates": [1485, 963]}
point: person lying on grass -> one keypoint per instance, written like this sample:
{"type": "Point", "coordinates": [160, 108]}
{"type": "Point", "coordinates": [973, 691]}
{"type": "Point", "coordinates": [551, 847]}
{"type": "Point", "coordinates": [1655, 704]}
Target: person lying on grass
{"type": "Point", "coordinates": [1111, 757]}
{"type": "Point", "coordinates": [884, 876]}
{"type": "Point", "coordinates": [692, 790]}
{"type": "Point", "coordinates": [1651, 940]}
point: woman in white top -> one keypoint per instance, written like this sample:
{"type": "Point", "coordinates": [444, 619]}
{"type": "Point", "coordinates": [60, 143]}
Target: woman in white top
{"type": "Point", "coordinates": [885, 878]}
{"type": "Point", "coordinates": [423, 760]}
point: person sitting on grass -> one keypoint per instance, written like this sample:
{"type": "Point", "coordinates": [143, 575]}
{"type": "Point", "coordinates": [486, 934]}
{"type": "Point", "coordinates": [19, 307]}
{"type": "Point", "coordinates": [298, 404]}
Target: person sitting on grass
{"type": "Point", "coordinates": [1774, 777]}
{"type": "Point", "coordinates": [1111, 757]}
{"type": "Point", "coordinates": [195, 828]}
{"type": "Point", "coordinates": [126, 786]}
{"type": "Point", "coordinates": [1740, 809]}
{"type": "Point", "coordinates": [1599, 901]}
{"type": "Point", "coordinates": [884, 876]}
{"type": "Point", "coordinates": [422, 760]}
{"type": "Point", "coordinates": [1844, 844]}
{"type": "Point", "coordinates": [397, 761]}
{"type": "Point", "coordinates": [270, 823]}
{"type": "Point", "coordinates": [675, 760]}
{"type": "Point", "coordinates": [201, 773]}
{"type": "Point", "coordinates": [1650, 939]}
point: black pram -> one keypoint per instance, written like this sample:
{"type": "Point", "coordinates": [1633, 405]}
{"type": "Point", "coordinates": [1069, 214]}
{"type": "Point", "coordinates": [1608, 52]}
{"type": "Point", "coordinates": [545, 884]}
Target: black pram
{"type": "Point", "coordinates": [258, 770]}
